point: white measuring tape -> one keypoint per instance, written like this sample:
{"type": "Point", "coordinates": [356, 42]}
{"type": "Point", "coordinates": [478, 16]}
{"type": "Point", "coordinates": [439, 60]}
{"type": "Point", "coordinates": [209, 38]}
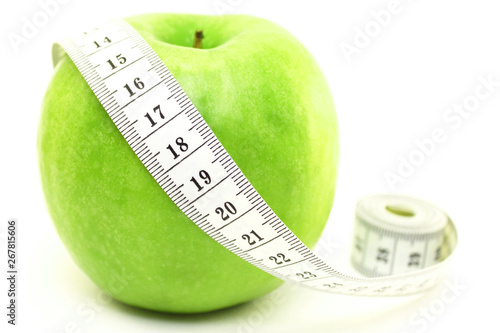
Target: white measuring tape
{"type": "Point", "coordinates": [393, 234]}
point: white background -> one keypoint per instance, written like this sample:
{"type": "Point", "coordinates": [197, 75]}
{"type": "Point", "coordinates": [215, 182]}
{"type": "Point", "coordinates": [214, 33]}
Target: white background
{"type": "Point", "coordinates": [395, 90]}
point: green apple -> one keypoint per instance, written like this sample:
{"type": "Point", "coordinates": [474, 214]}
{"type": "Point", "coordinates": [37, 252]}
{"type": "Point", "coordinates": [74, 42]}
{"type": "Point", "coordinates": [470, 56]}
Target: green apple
{"type": "Point", "coordinates": [267, 101]}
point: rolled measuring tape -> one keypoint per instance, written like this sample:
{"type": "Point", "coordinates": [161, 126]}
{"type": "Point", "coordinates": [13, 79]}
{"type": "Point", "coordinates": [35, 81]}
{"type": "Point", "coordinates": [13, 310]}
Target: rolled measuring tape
{"type": "Point", "coordinates": [393, 234]}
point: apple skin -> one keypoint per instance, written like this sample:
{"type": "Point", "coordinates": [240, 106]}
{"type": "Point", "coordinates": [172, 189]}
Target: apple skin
{"type": "Point", "coordinates": [267, 101]}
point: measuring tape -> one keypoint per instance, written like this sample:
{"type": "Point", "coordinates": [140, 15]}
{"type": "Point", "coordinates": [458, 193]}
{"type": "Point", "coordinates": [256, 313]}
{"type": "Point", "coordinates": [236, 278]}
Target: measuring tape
{"type": "Point", "coordinates": [393, 234]}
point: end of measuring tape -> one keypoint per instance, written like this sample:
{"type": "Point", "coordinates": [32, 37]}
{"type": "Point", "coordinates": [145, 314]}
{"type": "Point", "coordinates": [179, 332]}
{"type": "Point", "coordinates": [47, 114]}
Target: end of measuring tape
{"type": "Point", "coordinates": [397, 234]}
{"type": "Point", "coordinates": [401, 242]}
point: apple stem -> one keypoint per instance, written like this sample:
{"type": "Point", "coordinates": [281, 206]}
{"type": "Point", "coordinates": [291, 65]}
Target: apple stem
{"type": "Point", "coordinates": [198, 36]}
